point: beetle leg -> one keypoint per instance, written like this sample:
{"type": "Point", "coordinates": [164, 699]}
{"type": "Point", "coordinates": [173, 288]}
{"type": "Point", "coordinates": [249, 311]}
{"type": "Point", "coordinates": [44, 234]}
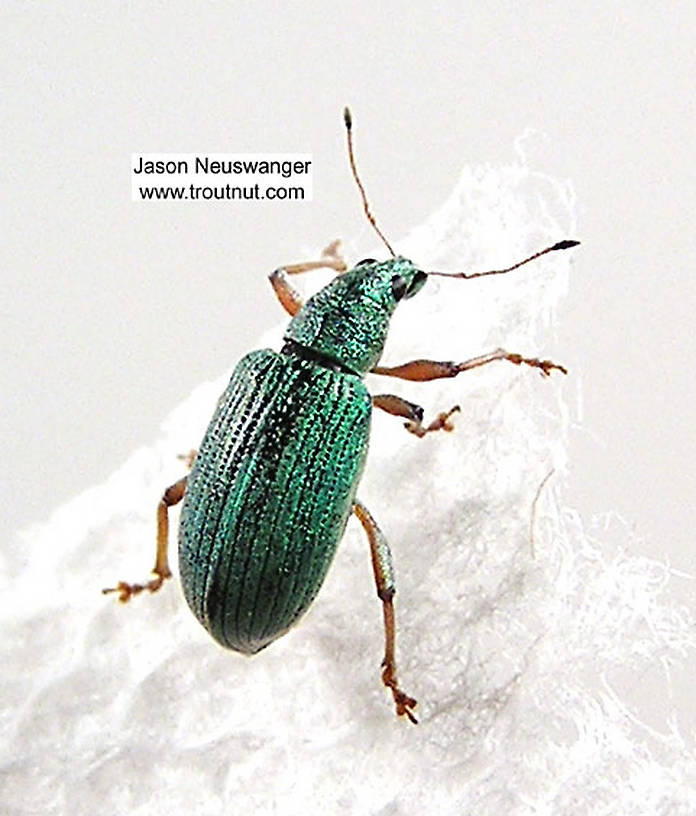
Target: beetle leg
{"type": "Point", "coordinates": [171, 496]}
{"type": "Point", "coordinates": [424, 370]}
{"type": "Point", "coordinates": [397, 406]}
{"type": "Point", "coordinates": [384, 578]}
{"type": "Point", "coordinates": [289, 298]}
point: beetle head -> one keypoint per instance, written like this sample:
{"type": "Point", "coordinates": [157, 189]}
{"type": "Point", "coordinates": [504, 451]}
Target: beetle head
{"type": "Point", "coordinates": [348, 319]}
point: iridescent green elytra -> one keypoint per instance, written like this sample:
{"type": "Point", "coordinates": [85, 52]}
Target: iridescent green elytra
{"type": "Point", "coordinates": [275, 478]}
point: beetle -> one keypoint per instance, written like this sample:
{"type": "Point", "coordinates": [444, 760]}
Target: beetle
{"type": "Point", "coordinates": [275, 479]}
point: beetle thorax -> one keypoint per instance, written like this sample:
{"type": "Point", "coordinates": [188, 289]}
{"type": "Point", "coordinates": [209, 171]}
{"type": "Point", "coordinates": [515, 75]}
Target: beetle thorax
{"type": "Point", "coordinates": [347, 321]}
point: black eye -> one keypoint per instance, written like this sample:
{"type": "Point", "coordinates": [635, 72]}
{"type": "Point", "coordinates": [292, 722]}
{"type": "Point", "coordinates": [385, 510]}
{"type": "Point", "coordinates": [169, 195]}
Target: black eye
{"type": "Point", "coordinates": [366, 261]}
{"type": "Point", "coordinates": [398, 287]}
{"type": "Point", "coordinates": [417, 283]}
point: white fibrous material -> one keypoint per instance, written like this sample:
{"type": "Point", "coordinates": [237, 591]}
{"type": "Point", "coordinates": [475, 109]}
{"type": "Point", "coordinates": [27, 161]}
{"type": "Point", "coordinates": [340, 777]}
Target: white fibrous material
{"type": "Point", "coordinates": [525, 639]}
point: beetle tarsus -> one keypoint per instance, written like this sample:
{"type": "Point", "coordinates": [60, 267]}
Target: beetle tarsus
{"type": "Point", "coordinates": [126, 590]}
{"type": "Point", "coordinates": [545, 366]}
{"type": "Point", "coordinates": [403, 702]}
{"type": "Point", "coordinates": [440, 423]}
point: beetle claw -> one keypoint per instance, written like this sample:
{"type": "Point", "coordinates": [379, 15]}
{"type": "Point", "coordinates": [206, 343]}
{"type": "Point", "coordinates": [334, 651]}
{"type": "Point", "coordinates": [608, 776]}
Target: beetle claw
{"type": "Point", "coordinates": [403, 702]}
{"type": "Point", "coordinates": [124, 590]}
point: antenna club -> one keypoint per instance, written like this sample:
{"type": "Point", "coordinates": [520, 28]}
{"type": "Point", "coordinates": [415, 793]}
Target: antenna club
{"type": "Point", "coordinates": [347, 118]}
{"type": "Point", "coordinates": [567, 244]}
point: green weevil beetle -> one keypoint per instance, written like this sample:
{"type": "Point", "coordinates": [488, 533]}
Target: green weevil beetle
{"type": "Point", "coordinates": [275, 479]}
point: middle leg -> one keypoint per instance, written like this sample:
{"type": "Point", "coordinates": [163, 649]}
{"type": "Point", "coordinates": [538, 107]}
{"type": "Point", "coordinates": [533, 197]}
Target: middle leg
{"type": "Point", "coordinates": [171, 496]}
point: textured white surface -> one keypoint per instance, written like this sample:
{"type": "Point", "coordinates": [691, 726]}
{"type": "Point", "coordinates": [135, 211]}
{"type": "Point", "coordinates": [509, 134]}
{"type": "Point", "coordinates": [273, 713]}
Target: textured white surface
{"type": "Point", "coordinates": [524, 667]}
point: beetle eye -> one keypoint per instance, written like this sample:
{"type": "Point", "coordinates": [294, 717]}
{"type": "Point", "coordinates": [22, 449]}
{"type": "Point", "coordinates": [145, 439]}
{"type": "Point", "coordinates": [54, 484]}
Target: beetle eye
{"type": "Point", "coordinates": [417, 283]}
{"type": "Point", "coordinates": [366, 261]}
{"type": "Point", "coordinates": [399, 287]}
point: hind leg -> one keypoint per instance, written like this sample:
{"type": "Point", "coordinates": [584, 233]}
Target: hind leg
{"type": "Point", "coordinates": [384, 579]}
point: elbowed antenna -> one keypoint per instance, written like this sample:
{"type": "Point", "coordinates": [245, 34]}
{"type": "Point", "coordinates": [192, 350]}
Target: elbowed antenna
{"type": "Point", "coordinates": [468, 275]}
{"type": "Point", "coordinates": [348, 119]}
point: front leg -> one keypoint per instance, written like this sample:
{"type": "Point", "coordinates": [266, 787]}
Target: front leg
{"type": "Point", "coordinates": [425, 370]}
{"type": "Point", "coordinates": [288, 296]}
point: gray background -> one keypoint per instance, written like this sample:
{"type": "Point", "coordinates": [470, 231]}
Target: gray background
{"type": "Point", "coordinates": [114, 310]}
